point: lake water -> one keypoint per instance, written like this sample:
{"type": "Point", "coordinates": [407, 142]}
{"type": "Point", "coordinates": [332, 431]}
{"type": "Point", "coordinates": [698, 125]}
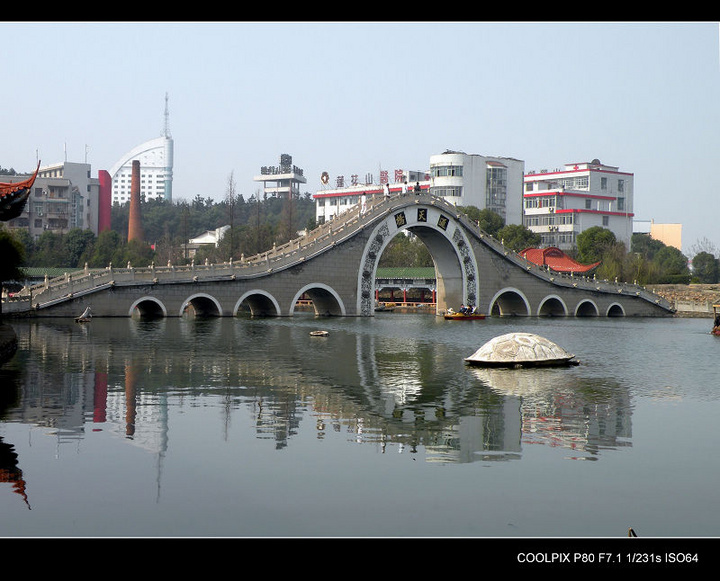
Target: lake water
{"type": "Point", "coordinates": [247, 427]}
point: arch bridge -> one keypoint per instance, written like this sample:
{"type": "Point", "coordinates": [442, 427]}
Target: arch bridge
{"type": "Point", "coordinates": [335, 266]}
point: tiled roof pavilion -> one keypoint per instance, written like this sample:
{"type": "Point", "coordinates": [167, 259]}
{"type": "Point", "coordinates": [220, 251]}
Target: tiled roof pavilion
{"type": "Point", "coordinates": [555, 259]}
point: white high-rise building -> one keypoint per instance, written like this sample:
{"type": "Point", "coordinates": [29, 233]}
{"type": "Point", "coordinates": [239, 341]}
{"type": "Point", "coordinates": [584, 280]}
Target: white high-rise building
{"type": "Point", "coordinates": [156, 168]}
{"type": "Point", "coordinates": [560, 204]}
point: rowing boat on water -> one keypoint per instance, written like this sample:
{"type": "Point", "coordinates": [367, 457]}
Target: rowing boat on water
{"type": "Point", "coordinates": [463, 316]}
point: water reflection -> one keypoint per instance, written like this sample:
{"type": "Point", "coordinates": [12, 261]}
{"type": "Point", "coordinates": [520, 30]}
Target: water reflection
{"type": "Point", "coordinates": [406, 388]}
{"type": "Point", "coordinates": [581, 414]}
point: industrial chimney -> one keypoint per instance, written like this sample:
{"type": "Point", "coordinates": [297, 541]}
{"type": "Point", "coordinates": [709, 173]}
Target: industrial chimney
{"type": "Point", "coordinates": [135, 230]}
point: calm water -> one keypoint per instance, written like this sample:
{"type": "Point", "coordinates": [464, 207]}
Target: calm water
{"type": "Point", "coordinates": [238, 427]}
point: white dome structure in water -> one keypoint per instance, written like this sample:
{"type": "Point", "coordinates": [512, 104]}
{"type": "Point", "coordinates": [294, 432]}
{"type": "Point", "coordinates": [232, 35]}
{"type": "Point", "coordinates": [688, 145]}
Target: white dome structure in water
{"type": "Point", "coordinates": [520, 350]}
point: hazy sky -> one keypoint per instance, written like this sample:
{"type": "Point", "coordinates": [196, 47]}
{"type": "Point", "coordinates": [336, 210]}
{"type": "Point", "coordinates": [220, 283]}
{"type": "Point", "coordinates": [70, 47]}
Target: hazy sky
{"type": "Point", "coordinates": [354, 98]}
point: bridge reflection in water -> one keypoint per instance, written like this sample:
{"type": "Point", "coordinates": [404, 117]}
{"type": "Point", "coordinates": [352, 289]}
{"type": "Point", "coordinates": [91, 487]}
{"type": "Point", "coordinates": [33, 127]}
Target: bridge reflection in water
{"type": "Point", "coordinates": [335, 265]}
{"type": "Point", "coordinates": [389, 386]}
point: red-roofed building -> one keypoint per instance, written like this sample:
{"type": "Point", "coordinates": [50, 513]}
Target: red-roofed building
{"type": "Point", "coordinates": [556, 260]}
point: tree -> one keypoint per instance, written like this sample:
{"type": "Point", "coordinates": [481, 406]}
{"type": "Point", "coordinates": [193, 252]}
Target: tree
{"type": "Point", "coordinates": [13, 258]}
{"type": "Point", "coordinates": [673, 266]}
{"type": "Point", "coordinates": [593, 243]}
{"type": "Point", "coordinates": [706, 268]}
{"type": "Point", "coordinates": [75, 245]}
{"type": "Point", "coordinates": [137, 253]}
{"type": "Point", "coordinates": [405, 251]}
{"type": "Point", "coordinates": [643, 244]}
{"type": "Point", "coordinates": [107, 249]}
{"type": "Point", "coordinates": [517, 237]}
{"type": "Point", "coordinates": [489, 221]}
{"type": "Point", "coordinates": [48, 250]}
{"type": "Point", "coordinates": [704, 245]}
{"type": "Point", "coordinates": [616, 264]}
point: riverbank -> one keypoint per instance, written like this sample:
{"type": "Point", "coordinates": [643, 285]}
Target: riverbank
{"type": "Point", "coordinates": [690, 300]}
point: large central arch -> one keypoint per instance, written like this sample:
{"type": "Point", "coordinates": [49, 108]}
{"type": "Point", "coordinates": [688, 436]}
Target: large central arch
{"type": "Point", "coordinates": [455, 265]}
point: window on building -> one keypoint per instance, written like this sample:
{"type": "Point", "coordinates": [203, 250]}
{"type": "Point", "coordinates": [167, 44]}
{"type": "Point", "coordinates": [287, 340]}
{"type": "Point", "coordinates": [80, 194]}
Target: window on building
{"type": "Point", "coordinates": [605, 220]}
{"type": "Point", "coordinates": [447, 170]}
{"type": "Point", "coordinates": [447, 192]}
{"type": "Point", "coordinates": [496, 189]}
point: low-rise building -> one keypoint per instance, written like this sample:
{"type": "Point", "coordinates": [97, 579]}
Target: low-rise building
{"type": "Point", "coordinates": [64, 196]}
{"type": "Point", "coordinates": [561, 204]}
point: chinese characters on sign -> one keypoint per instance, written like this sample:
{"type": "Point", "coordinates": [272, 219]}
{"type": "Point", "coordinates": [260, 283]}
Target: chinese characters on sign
{"type": "Point", "coordinates": [354, 180]}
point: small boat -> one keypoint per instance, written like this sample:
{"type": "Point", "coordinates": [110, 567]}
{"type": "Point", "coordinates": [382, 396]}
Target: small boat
{"type": "Point", "coordinates": [13, 197]}
{"type": "Point", "coordinates": [85, 317]}
{"type": "Point", "coordinates": [716, 320]}
{"type": "Point", "coordinates": [319, 333]}
{"type": "Point", "coordinates": [463, 315]}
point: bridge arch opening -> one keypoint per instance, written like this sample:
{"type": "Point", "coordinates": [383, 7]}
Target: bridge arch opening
{"type": "Point", "coordinates": [587, 308]}
{"type": "Point", "coordinates": [509, 303]}
{"type": "Point", "coordinates": [616, 310]}
{"type": "Point", "coordinates": [201, 305]}
{"type": "Point", "coordinates": [453, 259]}
{"type": "Point", "coordinates": [326, 301]}
{"type": "Point", "coordinates": [258, 303]}
{"type": "Point", "coordinates": [451, 291]}
{"type": "Point", "coordinates": [552, 306]}
{"type": "Point", "coordinates": [147, 308]}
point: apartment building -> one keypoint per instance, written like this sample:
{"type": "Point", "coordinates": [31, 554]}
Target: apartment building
{"type": "Point", "coordinates": [562, 203]}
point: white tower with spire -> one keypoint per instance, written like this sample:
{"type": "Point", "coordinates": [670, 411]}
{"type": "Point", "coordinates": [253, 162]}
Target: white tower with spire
{"type": "Point", "coordinates": [156, 167]}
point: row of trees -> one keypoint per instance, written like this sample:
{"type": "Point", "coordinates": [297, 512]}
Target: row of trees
{"type": "Point", "coordinates": [255, 225]}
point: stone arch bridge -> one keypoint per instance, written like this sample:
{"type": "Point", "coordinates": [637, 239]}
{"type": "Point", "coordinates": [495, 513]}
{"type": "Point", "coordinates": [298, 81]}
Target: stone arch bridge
{"type": "Point", "coordinates": [335, 266]}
